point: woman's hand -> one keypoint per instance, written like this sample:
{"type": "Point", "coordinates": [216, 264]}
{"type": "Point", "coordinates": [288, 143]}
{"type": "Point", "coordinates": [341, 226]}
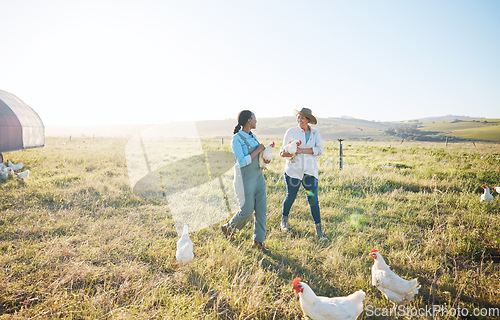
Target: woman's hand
{"type": "Point", "coordinates": [260, 148]}
{"type": "Point", "coordinates": [285, 154]}
{"type": "Point", "coordinates": [257, 150]}
{"type": "Point", "coordinates": [305, 150]}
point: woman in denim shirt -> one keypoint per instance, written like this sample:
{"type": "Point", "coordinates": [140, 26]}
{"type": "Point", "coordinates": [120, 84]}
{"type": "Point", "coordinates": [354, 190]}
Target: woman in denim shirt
{"type": "Point", "coordinates": [246, 149]}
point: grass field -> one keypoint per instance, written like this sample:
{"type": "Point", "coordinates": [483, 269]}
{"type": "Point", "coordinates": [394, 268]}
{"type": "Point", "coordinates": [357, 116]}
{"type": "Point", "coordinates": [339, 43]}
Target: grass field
{"type": "Point", "coordinates": [473, 129]}
{"type": "Point", "coordinates": [77, 243]}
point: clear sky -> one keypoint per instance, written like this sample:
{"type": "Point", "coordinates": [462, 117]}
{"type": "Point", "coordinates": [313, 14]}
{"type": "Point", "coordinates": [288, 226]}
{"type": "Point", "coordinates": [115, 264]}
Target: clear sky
{"type": "Point", "coordinates": [98, 62]}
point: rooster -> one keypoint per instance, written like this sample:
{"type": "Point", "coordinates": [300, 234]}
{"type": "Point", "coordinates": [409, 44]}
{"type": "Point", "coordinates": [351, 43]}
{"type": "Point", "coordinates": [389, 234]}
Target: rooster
{"type": "Point", "coordinates": [22, 175]}
{"type": "Point", "coordinates": [15, 166]}
{"type": "Point", "coordinates": [325, 308]}
{"type": "Point", "coordinates": [396, 289]}
{"type": "Point", "coordinates": [486, 196]}
{"type": "Point", "coordinates": [266, 155]}
{"type": "Point", "coordinates": [184, 252]}
{"type": "Point", "coordinates": [292, 146]}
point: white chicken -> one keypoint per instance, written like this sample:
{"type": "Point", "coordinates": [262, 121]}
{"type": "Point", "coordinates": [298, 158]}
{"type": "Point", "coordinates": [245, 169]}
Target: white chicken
{"type": "Point", "coordinates": [184, 252]}
{"type": "Point", "coordinates": [15, 166]}
{"type": "Point", "coordinates": [486, 196]}
{"type": "Point", "coordinates": [396, 289]}
{"type": "Point", "coordinates": [266, 155]}
{"type": "Point", "coordinates": [497, 189]}
{"type": "Point", "coordinates": [5, 173]}
{"type": "Point", "coordinates": [325, 308]}
{"type": "Point", "coordinates": [22, 175]}
{"type": "Point", "coordinates": [292, 146]}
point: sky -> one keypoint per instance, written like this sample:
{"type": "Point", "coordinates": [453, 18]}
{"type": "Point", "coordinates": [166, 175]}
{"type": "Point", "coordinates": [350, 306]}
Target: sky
{"type": "Point", "coordinates": [82, 63]}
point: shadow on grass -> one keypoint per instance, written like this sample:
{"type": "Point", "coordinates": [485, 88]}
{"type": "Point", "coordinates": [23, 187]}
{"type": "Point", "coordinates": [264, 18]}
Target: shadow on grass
{"type": "Point", "coordinates": [184, 174]}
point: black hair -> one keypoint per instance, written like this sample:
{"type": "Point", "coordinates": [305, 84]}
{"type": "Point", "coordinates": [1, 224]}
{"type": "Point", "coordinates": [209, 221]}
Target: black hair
{"type": "Point", "coordinates": [243, 117]}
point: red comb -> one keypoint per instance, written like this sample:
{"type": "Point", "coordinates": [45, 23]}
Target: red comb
{"type": "Point", "coordinates": [272, 144]}
{"type": "Point", "coordinates": [296, 281]}
{"type": "Point", "coordinates": [374, 250]}
{"type": "Point", "coordinates": [299, 143]}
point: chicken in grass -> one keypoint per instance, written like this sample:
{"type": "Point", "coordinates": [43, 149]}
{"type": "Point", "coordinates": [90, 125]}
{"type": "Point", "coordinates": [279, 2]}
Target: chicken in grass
{"type": "Point", "coordinates": [325, 308]}
{"type": "Point", "coordinates": [15, 166]}
{"type": "Point", "coordinates": [266, 156]}
{"type": "Point", "coordinates": [5, 173]}
{"type": "Point", "coordinates": [292, 146]}
{"type": "Point", "coordinates": [396, 289]}
{"type": "Point", "coordinates": [184, 252]}
{"type": "Point", "coordinates": [8, 171]}
{"type": "Point", "coordinates": [486, 196]}
{"type": "Point", "coordinates": [22, 175]}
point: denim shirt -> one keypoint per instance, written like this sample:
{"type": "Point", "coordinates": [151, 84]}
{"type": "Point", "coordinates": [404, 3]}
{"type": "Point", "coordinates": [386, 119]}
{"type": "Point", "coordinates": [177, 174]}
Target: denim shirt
{"type": "Point", "coordinates": [240, 149]}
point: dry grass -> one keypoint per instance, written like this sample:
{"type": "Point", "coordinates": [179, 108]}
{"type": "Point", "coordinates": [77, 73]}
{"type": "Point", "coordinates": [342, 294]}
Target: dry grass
{"type": "Point", "coordinates": [76, 243]}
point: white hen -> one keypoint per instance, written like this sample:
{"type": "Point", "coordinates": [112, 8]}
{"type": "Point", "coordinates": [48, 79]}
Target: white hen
{"type": "Point", "coordinates": [395, 289]}
{"type": "Point", "coordinates": [15, 166]}
{"type": "Point", "coordinates": [184, 252]}
{"type": "Point", "coordinates": [486, 196]}
{"type": "Point", "coordinates": [292, 146]}
{"type": "Point", "coordinates": [266, 155]}
{"type": "Point", "coordinates": [325, 308]}
{"type": "Point", "coordinates": [22, 175]}
{"type": "Point", "coordinates": [5, 173]}
{"type": "Point", "coordinates": [497, 189]}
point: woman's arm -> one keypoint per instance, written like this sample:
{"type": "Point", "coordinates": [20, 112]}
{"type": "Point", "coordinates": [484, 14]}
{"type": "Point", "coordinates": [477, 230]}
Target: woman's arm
{"type": "Point", "coordinates": [242, 158]}
{"type": "Point", "coordinates": [318, 147]}
{"type": "Point", "coordinates": [283, 153]}
{"type": "Point", "coordinates": [256, 152]}
{"type": "Point", "coordinates": [305, 150]}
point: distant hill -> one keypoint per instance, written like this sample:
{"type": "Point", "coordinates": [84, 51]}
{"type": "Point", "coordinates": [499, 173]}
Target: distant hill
{"type": "Point", "coordinates": [445, 118]}
{"type": "Point", "coordinates": [435, 129]}
{"type": "Point", "coordinates": [469, 129]}
{"type": "Point", "coordinates": [330, 128]}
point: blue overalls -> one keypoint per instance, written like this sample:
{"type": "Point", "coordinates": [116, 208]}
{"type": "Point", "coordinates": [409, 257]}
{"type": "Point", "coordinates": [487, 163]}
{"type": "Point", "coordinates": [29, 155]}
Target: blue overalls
{"type": "Point", "coordinates": [254, 186]}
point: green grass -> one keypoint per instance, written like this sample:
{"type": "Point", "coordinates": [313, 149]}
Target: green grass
{"type": "Point", "coordinates": [76, 243]}
{"type": "Point", "coordinates": [475, 129]}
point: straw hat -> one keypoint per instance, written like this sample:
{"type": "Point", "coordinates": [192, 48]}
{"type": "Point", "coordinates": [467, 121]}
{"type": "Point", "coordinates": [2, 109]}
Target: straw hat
{"type": "Point", "coordinates": [306, 112]}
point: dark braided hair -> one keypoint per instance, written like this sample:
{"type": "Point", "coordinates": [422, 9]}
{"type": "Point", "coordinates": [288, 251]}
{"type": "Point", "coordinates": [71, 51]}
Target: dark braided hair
{"type": "Point", "coordinates": [243, 117]}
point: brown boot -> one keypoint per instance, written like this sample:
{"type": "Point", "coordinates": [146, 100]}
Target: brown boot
{"type": "Point", "coordinates": [227, 233]}
{"type": "Point", "coordinates": [260, 246]}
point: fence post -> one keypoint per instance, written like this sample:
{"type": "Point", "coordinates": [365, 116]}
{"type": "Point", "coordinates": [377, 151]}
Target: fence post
{"type": "Point", "coordinates": [341, 154]}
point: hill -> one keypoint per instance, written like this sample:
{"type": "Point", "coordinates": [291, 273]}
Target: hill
{"type": "Point", "coordinates": [273, 128]}
{"type": "Point", "coordinates": [471, 129]}
{"type": "Point", "coordinates": [455, 128]}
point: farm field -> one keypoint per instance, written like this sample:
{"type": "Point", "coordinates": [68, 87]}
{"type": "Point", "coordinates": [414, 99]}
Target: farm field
{"type": "Point", "coordinates": [474, 129]}
{"type": "Point", "coordinates": [77, 243]}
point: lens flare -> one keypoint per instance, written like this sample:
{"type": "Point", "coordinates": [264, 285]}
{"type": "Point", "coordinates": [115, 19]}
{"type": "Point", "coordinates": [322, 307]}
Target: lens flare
{"type": "Point", "coordinates": [310, 193]}
{"type": "Point", "coordinates": [171, 162]}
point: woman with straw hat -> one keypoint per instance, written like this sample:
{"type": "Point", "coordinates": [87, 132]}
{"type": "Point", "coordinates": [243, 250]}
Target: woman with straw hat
{"type": "Point", "coordinates": [301, 168]}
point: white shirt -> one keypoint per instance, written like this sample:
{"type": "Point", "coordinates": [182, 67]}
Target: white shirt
{"type": "Point", "coordinates": [303, 163]}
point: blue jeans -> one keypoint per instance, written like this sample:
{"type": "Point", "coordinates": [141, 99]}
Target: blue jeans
{"type": "Point", "coordinates": [310, 184]}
